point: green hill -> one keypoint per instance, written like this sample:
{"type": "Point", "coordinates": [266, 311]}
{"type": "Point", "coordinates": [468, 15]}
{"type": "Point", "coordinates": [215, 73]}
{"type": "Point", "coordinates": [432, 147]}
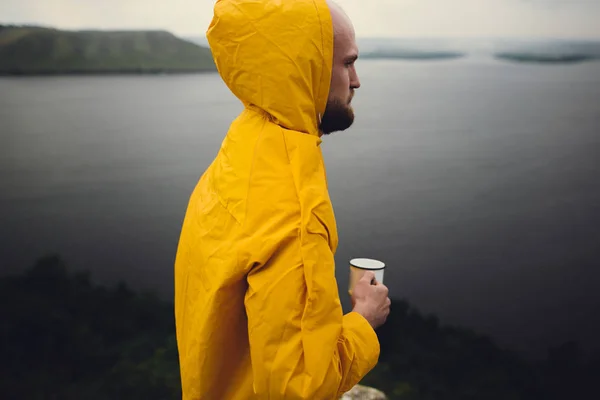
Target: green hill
{"type": "Point", "coordinates": [63, 336]}
{"type": "Point", "coordinates": [28, 50]}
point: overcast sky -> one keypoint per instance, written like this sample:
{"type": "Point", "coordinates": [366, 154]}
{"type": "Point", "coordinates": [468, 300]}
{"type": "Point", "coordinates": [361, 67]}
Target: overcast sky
{"type": "Point", "coordinates": [414, 18]}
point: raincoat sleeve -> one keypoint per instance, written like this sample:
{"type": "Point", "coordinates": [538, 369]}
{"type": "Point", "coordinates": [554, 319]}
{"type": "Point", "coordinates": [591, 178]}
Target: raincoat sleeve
{"type": "Point", "coordinates": [301, 344]}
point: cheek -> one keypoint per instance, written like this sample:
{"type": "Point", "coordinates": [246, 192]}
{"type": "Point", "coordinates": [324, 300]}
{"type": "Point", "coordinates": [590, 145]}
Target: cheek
{"type": "Point", "coordinates": [340, 80]}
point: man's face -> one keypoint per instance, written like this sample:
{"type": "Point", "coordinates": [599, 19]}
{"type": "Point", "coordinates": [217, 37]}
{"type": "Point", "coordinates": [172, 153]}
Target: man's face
{"type": "Point", "coordinates": [339, 114]}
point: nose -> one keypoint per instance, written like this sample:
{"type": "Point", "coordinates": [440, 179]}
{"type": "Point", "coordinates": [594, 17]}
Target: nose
{"type": "Point", "coordinates": [354, 81]}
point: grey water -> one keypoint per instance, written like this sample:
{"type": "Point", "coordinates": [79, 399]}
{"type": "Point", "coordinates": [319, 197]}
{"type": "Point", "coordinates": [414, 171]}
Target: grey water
{"type": "Point", "coordinates": [476, 181]}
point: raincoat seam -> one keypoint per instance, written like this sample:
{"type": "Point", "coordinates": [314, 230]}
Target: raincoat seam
{"type": "Point", "coordinates": [215, 192]}
{"type": "Point", "coordinates": [300, 230]}
{"type": "Point", "coordinates": [286, 328]}
{"type": "Point", "coordinates": [324, 64]}
{"type": "Point", "coordinates": [262, 131]}
{"type": "Point", "coordinates": [287, 153]}
{"type": "Point", "coordinates": [279, 347]}
{"type": "Point", "coordinates": [226, 208]}
{"type": "Point", "coordinates": [289, 160]}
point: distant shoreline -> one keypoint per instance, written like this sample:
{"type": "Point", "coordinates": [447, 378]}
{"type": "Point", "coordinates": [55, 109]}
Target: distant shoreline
{"type": "Point", "coordinates": [544, 59]}
{"type": "Point", "coordinates": [400, 55]}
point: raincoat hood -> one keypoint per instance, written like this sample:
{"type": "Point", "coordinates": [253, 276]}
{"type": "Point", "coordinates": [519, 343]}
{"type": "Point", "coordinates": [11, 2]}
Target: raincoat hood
{"type": "Point", "coordinates": [276, 56]}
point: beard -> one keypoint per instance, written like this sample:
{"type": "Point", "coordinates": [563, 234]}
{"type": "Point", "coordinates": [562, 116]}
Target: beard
{"type": "Point", "coordinates": [338, 116]}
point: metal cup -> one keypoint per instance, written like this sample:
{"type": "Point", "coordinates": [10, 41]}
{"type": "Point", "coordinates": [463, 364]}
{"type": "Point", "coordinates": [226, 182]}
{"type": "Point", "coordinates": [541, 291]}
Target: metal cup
{"type": "Point", "coordinates": [359, 266]}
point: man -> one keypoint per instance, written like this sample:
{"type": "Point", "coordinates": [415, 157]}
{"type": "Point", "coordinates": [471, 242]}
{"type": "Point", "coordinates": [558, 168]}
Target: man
{"type": "Point", "coordinates": [257, 308]}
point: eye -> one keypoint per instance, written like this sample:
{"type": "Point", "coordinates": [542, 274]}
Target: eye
{"type": "Point", "coordinates": [350, 61]}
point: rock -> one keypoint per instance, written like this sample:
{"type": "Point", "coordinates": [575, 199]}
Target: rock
{"type": "Point", "coordinates": [359, 392]}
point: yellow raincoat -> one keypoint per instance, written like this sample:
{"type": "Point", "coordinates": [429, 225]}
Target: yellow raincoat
{"type": "Point", "coordinates": [257, 307]}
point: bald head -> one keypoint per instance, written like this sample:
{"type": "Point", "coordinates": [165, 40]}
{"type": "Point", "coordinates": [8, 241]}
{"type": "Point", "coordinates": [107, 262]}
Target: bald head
{"type": "Point", "coordinates": [339, 18]}
{"type": "Point", "coordinates": [339, 114]}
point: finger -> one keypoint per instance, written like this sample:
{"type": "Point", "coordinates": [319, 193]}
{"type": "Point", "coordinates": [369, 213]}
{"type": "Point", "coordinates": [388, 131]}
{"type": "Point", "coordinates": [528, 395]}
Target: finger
{"type": "Point", "coordinates": [383, 289]}
{"type": "Point", "coordinates": [368, 276]}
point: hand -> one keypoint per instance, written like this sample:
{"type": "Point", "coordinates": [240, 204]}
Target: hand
{"type": "Point", "coordinates": [371, 300]}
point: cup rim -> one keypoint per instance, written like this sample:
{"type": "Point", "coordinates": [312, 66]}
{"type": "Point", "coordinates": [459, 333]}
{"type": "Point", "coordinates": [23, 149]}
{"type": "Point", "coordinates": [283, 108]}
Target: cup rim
{"type": "Point", "coordinates": [356, 261]}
